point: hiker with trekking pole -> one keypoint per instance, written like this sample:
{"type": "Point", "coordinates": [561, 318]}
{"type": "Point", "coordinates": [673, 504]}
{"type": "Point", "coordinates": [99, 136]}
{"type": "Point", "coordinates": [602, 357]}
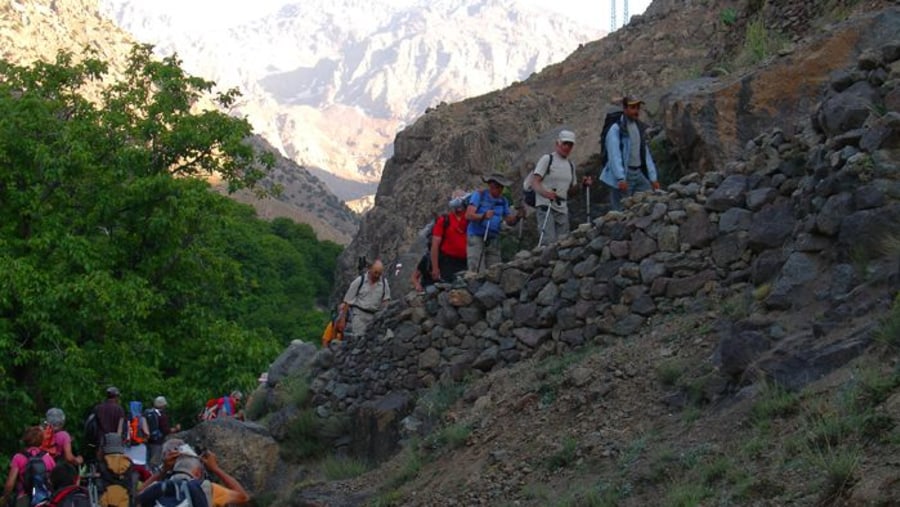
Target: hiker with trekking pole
{"type": "Point", "coordinates": [487, 211]}
{"type": "Point", "coordinates": [552, 182]}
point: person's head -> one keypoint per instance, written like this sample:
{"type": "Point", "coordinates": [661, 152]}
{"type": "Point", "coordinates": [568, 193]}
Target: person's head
{"type": "Point", "coordinates": [56, 418]}
{"type": "Point", "coordinates": [237, 397]}
{"type": "Point", "coordinates": [457, 202]}
{"type": "Point", "coordinates": [188, 462]}
{"type": "Point", "coordinates": [112, 393]}
{"type": "Point", "coordinates": [33, 436]}
{"type": "Point", "coordinates": [632, 107]}
{"type": "Point", "coordinates": [496, 183]}
{"type": "Point", "coordinates": [376, 270]}
{"type": "Point", "coordinates": [160, 402]}
{"type": "Point", "coordinates": [565, 142]}
{"type": "Point", "coordinates": [171, 445]}
{"type": "Point", "coordinates": [63, 474]}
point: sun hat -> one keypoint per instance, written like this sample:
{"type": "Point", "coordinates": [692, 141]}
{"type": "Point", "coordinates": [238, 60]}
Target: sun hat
{"type": "Point", "coordinates": [496, 178]}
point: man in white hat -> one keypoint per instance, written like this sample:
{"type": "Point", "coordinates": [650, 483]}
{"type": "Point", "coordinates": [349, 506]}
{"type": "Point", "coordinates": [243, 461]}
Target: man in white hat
{"type": "Point", "coordinates": [553, 181]}
{"type": "Point", "coordinates": [487, 210]}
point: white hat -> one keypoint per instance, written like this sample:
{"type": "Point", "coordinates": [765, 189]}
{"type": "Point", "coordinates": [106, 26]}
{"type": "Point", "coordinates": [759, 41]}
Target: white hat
{"type": "Point", "coordinates": [160, 402]}
{"type": "Point", "coordinates": [566, 136]}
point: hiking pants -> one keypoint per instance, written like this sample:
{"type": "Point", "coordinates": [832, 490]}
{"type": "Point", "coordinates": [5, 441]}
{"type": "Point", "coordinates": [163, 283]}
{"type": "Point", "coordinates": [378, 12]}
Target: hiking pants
{"type": "Point", "coordinates": [475, 245]}
{"type": "Point", "coordinates": [637, 182]}
{"type": "Point", "coordinates": [557, 226]}
{"type": "Point", "coordinates": [359, 322]}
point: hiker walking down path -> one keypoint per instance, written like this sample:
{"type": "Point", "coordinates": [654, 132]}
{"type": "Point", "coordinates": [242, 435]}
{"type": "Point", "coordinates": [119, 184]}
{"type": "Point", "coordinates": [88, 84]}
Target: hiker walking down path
{"type": "Point", "coordinates": [487, 211]}
{"type": "Point", "coordinates": [29, 471]}
{"type": "Point", "coordinates": [629, 166]}
{"type": "Point", "coordinates": [553, 181]}
{"type": "Point", "coordinates": [366, 295]}
{"type": "Point", "coordinates": [110, 414]}
{"type": "Point", "coordinates": [448, 240]}
{"type": "Point", "coordinates": [60, 441]}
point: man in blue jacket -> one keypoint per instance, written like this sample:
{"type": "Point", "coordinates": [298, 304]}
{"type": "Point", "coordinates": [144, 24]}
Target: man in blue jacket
{"type": "Point", "coordinates": [629, 167]}
{"type": "Point", "coordinates": [486, 212]}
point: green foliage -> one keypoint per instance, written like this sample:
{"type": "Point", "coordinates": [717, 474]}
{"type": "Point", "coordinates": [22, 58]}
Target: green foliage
{"type": "Point", "coordinates": [759, 43]}
{"type": "Point", "coordinates": [728, 16]}
{"type": "Point", "coordinates": [565, 455]}
{"type": "Point", "coordinates": [120, 266]}
{"type": "Point", "coordinates": [773, 401]}
{"type": "Point", "coordinates": [441, 397]}
{"type": "Point", "coordinates": [453, 436]}
{"type": "Point", "coordinates": [303, 439]}
{"type": "Point", "coordinates": [669, 372]}
{"type": "Point", "coordinates": [888, 331]}
{"type": "Point", "coordinates": [336, 468]}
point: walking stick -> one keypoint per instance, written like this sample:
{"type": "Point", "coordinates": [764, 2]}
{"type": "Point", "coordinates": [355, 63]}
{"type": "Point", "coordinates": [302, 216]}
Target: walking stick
{"type": "Point", "coordinates": [487, 229]}
{"type": "Point", "coordinates": [587, 202]}
{"type": "Point", "coordinates": [544, 226]}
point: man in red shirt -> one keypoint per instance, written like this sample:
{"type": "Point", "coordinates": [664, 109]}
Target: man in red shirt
{"type": "Point", "coordinates": [448, 241]}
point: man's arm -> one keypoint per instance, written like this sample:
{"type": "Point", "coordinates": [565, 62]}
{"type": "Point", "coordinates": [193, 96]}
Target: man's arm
{"type": "Point", "coordinates": [436, 239]}
{"type": "Point", "coordinates": [236, 494]}
{"type": "Point", "coordinates": [537, 178]}
{"type": "Point", "coordinates": [615, 153]}
{"type": "Point", "coordinates": [651, 168]}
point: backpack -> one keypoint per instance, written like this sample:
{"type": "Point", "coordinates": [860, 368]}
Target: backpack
{"type": "Point", "coordinates": [134, 432]}
{"type": "Point", "coordinates": [92, 430]}
{"type": "Point", "coordinates": [178, 492]}
{"type": "Point", "coordinates": [152, 417]}
{"type": "Point", "coordinates": [70, 496]}
{"type": "Point", "coordinates": [610, 120]}
{"type": "Point", "coordinates": [36, 479]}
{"type": "Point", "coordinates": [528, 193]}
{"type": "Point", "coordinates": [118, 481]}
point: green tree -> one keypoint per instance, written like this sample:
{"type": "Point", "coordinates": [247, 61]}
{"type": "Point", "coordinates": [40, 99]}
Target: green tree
{"type": "Point", "coordinates": [120, 266]}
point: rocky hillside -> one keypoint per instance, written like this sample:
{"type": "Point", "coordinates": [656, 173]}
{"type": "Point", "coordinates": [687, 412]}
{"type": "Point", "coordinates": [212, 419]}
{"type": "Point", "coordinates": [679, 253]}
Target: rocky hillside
{"type": "Point", "coordinates": [713, 73]}
{"type": "Point", "coordinates": [331, 82]}
{"type": "Point", "coordinates": [38, 29]}
{"type": "Point", "coordinates": [733, 340]}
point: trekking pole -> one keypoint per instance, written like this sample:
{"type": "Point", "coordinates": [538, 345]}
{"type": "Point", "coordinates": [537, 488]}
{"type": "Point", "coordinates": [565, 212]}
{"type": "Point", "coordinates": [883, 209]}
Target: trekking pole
{"type": "Point", "coordinates": [544, 225]}
{"type": "Point", "coordinates": [487, 229]}
{"type": "Point", "coordinates": [587, 202]}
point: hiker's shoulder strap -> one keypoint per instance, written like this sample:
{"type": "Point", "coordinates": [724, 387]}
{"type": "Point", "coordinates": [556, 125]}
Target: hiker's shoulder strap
{"type": "Point", "coordinates": [362, 280]}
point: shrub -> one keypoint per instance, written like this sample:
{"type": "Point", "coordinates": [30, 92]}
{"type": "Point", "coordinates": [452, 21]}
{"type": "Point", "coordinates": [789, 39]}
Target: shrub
{"type": "Point", "coordinates": [565, 456]}
{"type": "Point", "coordinates": [728, 16]}
{"type": "Point", "coordinates": [774, 401]}
{"type": "Point", "coordinates": [335, 468]}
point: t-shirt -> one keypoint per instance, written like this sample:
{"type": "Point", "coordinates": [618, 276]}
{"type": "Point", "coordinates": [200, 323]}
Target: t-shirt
{"type": "Point", "coordinates": [109, 413]}
{"type": "Point", "coordinates": [558, 177]}
{"type": "Point", "coordinates": [61, 439]}
{"type": "Point", "coordinates": [20, 461]}
{"type": "Point", "coordinates": [483, 201]}
{"type": "Point", "coordinates": [370, 295]}
{"type": "Point", "coordinates": [453, 243]}
{"type": "Point", "coordinates": [634, 154]}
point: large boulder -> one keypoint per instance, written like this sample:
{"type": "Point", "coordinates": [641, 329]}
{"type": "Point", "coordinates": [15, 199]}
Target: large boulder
{"type": "Point", "coordinates": [375, 432]}
{"type": "Point", "coordinates": [296, 358]}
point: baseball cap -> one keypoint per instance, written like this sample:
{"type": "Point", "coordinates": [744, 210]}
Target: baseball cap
{"type": "Point", "coordinates": [112, 391]}
{"type": "Point", "coordinates": [567, 136]}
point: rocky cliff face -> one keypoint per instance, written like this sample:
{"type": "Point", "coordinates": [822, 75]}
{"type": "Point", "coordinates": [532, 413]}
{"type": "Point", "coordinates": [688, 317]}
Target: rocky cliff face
{"type": "Point", "coordinates": [777, 270]}
{"type": "Point", "coordinates": [37, 30]}
{"type": "Point", "coordinates": [657, 56]}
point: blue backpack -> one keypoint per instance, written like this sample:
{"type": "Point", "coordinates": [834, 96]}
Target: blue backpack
{"type": "Point", "coordinates": [36, 479]}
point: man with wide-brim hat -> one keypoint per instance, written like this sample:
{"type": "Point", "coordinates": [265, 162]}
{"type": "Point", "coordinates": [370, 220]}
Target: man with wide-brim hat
{"type": "Point", "coordinates": [487, 211]}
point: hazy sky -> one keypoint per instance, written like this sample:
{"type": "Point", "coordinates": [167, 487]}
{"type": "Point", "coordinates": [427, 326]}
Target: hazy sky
{"type": "Point", "coordinates": [592, 12]}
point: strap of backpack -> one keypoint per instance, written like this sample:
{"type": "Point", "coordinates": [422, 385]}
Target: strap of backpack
{"type": "Point", "coordinates": [61, 495]}
{"type": "Point", "coordinates": [362, 280]}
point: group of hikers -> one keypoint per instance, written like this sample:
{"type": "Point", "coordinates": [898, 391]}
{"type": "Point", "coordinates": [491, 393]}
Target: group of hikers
{"type": "Point", "coordinates": [466, 238]}
{"type": "Point", "coordinates": [127, 460]}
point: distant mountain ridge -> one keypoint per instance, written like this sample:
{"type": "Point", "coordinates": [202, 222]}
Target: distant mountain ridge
{"type": "Point", "coordinates": [39, 29]}
{"type": "Point", "coordinates": [331, 83]}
